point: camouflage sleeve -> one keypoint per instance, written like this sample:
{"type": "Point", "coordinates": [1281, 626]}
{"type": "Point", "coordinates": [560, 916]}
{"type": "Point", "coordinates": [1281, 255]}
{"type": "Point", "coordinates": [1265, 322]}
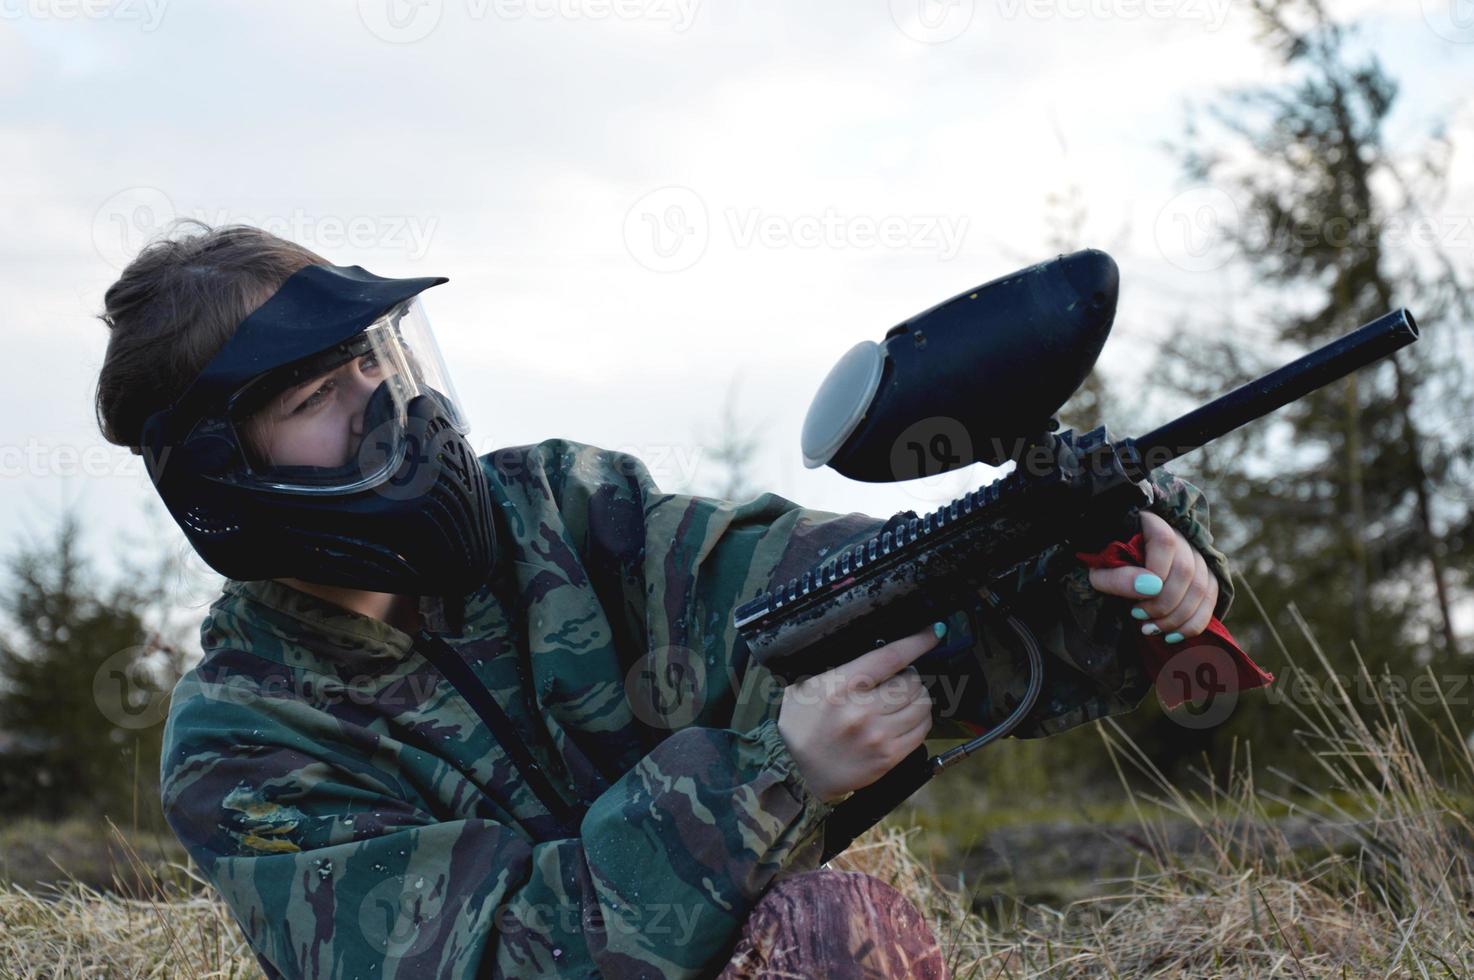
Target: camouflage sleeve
{"type": "Point", "coordinates": [1091, 645]}
{"type": "Point", "coordinates": [713, 555]}
{"type": "Point", "coordinates": [333, 870]}
{"type": "Point", "coordinates": [703, 557]}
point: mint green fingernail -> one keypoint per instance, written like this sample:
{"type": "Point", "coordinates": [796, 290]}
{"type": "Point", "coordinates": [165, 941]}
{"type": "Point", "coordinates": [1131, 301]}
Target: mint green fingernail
{"type": "Point", "coordinates": [1140, 613]}
{"type": "Point", "coordinates": [1147, 584]}
{"type": "Point", "coordinates": [1173, 637]}
{"type": "Point", "coordinates": [940, 629]}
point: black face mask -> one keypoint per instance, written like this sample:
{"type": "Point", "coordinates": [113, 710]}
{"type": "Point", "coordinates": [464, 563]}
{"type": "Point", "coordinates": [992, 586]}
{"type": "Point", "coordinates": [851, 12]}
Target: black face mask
{"type": "Point", "coordinates": [407, 510]}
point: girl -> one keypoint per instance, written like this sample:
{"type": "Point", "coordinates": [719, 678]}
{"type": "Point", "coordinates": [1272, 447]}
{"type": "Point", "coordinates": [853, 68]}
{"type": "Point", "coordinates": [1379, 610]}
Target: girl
{"type": "Point", "coordinates": [465, 715]}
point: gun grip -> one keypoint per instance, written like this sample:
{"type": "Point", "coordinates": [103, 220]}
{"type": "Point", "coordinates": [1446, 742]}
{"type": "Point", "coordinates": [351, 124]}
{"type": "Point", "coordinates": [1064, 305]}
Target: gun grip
{"type": "Point", "coordinates": [869, 805]}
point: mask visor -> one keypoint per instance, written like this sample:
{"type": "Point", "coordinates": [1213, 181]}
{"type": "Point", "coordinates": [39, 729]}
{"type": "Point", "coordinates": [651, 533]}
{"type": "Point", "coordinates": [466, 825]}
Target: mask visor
{"type": "Point", "coordinates": [340, 421]}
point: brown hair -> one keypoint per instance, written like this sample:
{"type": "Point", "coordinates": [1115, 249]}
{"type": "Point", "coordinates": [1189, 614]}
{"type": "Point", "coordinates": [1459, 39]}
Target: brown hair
{"type": "Point", "coordinates": [174, 307]}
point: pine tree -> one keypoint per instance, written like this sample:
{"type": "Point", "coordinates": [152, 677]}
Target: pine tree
{"type": "Point", "coordinates": [84, 684]}
{"type": "Point", "coordinates": [1349, 503]}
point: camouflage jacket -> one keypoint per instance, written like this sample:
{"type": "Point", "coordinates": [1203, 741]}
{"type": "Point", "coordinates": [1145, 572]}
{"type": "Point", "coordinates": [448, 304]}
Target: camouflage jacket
{"type": "Point", "coordinates": [361, 821]}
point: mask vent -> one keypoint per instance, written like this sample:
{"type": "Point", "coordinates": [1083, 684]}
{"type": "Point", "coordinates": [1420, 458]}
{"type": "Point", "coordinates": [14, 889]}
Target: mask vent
{"type": "Point", "coordinates": [203, 521]}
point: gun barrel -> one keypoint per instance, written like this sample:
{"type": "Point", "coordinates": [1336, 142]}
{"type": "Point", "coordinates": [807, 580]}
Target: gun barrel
{"type": "Point", "coordinates": [1257, 398]}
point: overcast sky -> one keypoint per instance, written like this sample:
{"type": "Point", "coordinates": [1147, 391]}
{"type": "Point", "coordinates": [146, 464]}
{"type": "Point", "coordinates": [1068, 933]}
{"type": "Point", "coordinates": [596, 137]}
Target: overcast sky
{"type": "Point", "coordinates": [639, 203]}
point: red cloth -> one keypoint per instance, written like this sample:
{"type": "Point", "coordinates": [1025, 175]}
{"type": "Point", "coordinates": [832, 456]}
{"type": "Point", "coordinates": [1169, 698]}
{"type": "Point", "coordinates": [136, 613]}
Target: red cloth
{"type": "Point", "coordinates": [1156, 651]}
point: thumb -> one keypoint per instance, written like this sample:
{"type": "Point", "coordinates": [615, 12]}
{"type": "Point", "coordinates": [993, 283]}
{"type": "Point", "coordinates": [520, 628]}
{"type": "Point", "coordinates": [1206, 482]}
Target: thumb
{"type": "Point", "coordinates": [1127, 581]}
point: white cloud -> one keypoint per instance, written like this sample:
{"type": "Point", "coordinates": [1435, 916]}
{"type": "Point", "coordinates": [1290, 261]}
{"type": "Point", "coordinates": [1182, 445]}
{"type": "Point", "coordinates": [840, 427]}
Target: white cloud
{"type": "Point", "coordinates": [519, 146]}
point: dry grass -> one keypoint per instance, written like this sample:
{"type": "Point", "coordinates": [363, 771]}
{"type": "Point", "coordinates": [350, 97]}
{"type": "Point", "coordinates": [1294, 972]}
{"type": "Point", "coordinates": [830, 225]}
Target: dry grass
{"type": "Point", "coordinates": [73, 930]}
{"type": "Point", "coordinates": [1397, 902]}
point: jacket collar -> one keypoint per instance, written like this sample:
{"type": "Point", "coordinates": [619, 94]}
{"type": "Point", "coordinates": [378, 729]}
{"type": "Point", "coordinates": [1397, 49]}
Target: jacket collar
{"type": "Point", "coordinates": [297, 629]}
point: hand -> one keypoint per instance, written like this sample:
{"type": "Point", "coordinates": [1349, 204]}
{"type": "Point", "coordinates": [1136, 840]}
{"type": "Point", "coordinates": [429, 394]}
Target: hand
{"type": "Point", "coordinates": [847, 727]}
{"type": "Point", "coordinates": [1186, 591]}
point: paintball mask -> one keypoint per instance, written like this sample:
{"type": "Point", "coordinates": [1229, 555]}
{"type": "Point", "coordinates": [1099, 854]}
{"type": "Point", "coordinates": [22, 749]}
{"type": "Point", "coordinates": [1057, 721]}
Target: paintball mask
{"type": "Point", "coordinates": [325, 442]}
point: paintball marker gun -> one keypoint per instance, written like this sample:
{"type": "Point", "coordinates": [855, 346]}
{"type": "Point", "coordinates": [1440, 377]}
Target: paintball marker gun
{"type": "Point", "coordinates": [979, 378]}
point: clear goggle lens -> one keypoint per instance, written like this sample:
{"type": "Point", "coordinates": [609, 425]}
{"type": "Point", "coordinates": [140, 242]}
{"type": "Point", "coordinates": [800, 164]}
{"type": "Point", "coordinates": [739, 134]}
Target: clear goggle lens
{"type": "Point", "coordinates": [340, 420]}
